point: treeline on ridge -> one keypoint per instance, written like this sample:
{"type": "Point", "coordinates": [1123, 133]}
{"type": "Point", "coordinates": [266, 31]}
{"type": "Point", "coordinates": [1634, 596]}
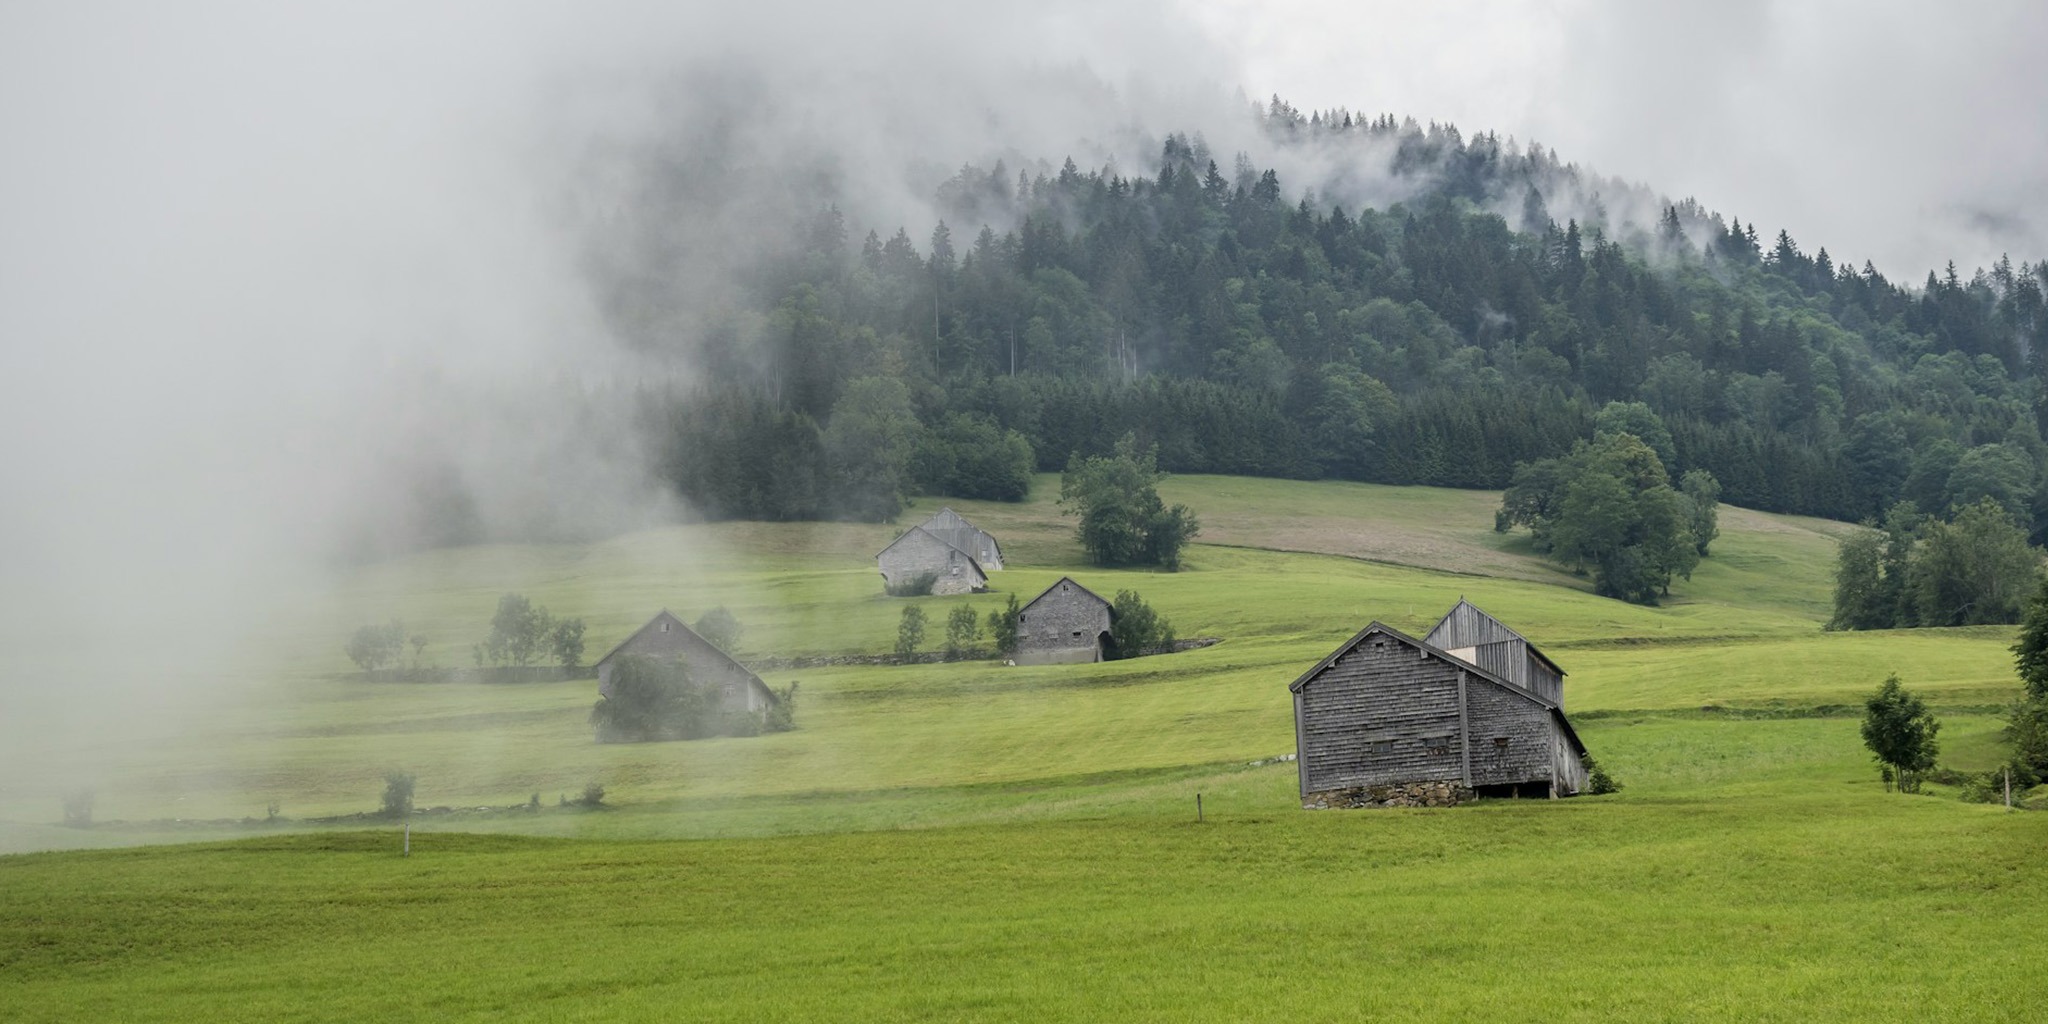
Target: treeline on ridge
{"type": "Point", "coordinates": [1440, 341]}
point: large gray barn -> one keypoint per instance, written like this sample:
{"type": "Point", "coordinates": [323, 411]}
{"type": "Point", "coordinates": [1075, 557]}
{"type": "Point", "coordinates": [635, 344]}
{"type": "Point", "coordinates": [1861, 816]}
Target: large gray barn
{"type": "Point", "coordinates": [1389, 719]}
{"type": "Point", "coordinates": [666, 638]}
{"type": "Point", "coordinates": [954, 529]}
{"type": "Point", "coordinates": [1067, 623]}
{"type": "Point", "coordinates": [920, 552]}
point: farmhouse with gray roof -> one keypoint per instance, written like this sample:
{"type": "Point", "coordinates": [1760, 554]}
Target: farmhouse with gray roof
{"type": "Point", "coordinates": [954, 529]}
{"type": "Point", "coordinates": [1388, 719]}
{"type": "Point", "coordinates": [666, 638]}
{"type": "Point", "coordinates": [1067, 623]}
{"type": "Point", "coordinates": [920, 552]}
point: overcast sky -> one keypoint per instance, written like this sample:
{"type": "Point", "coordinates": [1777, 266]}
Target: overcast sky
{"type": "Point", "coordinates": [1904, 133]}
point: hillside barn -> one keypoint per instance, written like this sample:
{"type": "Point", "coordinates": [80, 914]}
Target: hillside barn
{"type": "Point", "coordinates": [1389, 720]}
{"type": "Point", "coordinates": [953, 528]}
{"type": "Point", "coordinates": [666, 638]}
{"type": "Point", "coordinates": [1471, 635]}
{"type": "Point", "coordinates": [919, 553]}
{"type": "Point", "coordinates": [1068, 623]}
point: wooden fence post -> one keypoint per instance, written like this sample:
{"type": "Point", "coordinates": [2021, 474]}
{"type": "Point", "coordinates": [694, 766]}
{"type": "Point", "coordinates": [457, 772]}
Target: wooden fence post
{"type": "Point", "coordinates": [1198, 807]}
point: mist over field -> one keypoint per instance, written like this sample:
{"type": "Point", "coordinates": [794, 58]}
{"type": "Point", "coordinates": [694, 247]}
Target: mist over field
{"type": "Point", "coordinates": [284, 292]}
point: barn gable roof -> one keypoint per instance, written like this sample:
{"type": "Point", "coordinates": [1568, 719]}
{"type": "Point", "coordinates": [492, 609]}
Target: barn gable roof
{"type": "Point", "coordinates": [1499, 625]}
{"type": "Point", "coordinates": [920, 531]}
{"type": "Point", "coordinates": [1077, 586]}
{"type": "Point", "coordinates": [1377, 627]}
{"type": "Point", "coordinates": [945, 513]}
{"type": "Point", "coordinates": [679, 625]}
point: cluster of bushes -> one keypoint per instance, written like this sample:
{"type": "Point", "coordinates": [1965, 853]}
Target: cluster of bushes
{"type": "Point", "coordinates": [522, 634]}
{"type": "Point", "coordinates": [1974, 568]}
{"type": "Point", "coordinates": [1608, 507]}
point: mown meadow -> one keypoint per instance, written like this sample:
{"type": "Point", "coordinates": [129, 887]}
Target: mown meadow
{"type": "Point", "coordinates": [973, 840]}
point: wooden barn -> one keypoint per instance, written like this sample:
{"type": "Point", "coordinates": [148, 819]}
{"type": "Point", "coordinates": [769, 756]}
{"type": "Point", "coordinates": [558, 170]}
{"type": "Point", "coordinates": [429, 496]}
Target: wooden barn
{"type": "Point", "coordinates": [1469, 634]}
{"type": "Point", "coordinates": [666, 638]}
{"type": "Point", "coordinates": [1068, 623]}
{"type": "Point", "coordinates": [1390, 720]}
{"type": "Point", "coordinates": [954, 529]}
{"type": "Point", "coordinates": [920, 552]}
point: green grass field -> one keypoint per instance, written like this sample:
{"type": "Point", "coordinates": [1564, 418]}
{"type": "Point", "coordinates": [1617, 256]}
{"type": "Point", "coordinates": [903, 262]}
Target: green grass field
{"type": "Point", "coordinates": [977, 841]}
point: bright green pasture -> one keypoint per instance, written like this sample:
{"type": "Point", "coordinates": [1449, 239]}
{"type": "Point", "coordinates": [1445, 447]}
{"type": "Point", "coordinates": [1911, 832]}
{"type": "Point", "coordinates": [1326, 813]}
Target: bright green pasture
{"type": "Point", "coordinates": [309, 734]}
{"type": "Point", "coordinates": [1748, 873]}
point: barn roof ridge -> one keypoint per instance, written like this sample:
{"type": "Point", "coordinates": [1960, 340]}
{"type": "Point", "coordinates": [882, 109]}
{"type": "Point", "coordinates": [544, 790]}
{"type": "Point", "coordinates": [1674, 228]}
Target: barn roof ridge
{"type": "Point", "coordinates": [969, 523]}
{"type": "Point", "coordinates": [1376, 626]}
{"type": "Point", "coordinates": [919, 528]}
{"type": "Point", "coordinates": [1077, 583]}
{"type": "Point", "coordinates": [1533, 649]}
{"type": "Point", "coordinates": [685, 627]}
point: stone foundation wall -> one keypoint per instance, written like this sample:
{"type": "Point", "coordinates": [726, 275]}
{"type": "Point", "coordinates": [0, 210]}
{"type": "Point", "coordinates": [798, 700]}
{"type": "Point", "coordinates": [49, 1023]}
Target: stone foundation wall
{"type": "Point", "coordinates": [1407, 794]}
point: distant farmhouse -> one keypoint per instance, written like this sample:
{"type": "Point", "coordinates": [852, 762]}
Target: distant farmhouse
{"type": "Point", "coordinates": [1065, 624]}
{"type": "Point", "coordinates": [666, 638]}
{"type": "Point", "coordinates": [952, 551]}
{"type": "Point", "coordinates": [954, 529]}
{"type": "Point", "coordinates": [1389, 720]}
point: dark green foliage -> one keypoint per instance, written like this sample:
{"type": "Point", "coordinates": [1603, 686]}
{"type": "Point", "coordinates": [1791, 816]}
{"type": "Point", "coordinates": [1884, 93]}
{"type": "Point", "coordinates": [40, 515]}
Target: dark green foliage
{"type": "Point", "coordinates": [1598, 782]}
{"type": "Point", "coordinates": [374, 647]}
{"type": "Point", "coordinates": [521, 631]}
{"type": "Point", "coordinates": [2026, 729]}
{"type": "Point", "coordinates": [1134, 628]}
{"type": "Point", "coordinates": [1702, 494]}
{"type": "Point", "coordinates": [720, 628]}
{"type": "Point", "coordinates": [652, 699]}
{"type": "Point", "coordinates": [593, 795]}
{"type": "Point", "coordinates": [1238, 330]}
{"type": "Point", "coordinates": [868, 443]}
{"type": "Point", "coordinates": [1975, 569]}
{"type": "Point", "coordinates": [1860, 598]}
{"type": "Point", "coordinates": [1900, 732]}
{"type": "Point", "coordinates": [963, 628]}
{"type": "Point", "coordinates": [1122, 519]}
{"type": "Point", "coordinates": [919, 585]}
{"type": "Point", "coordinates": [1002, 627]}
{"type": "Point", "coordinates": [565, 642]}
{"type": "Point", "coordinates": [2030, 651]}
{"type": "Point", "coordinates": [781, 716]}
{"type": "Point", "coordinates": [910, 630]}
{"type": "Point", "coordinates": [971, 456]}
{"type": "Point", "coordinates": [1607, 509]}
{"type": "Point", "coordinates": [397, 802]}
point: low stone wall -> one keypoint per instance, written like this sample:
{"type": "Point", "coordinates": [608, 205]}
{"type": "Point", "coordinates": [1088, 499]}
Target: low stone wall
{"type": "Point", "coordinates": [1407, 794]}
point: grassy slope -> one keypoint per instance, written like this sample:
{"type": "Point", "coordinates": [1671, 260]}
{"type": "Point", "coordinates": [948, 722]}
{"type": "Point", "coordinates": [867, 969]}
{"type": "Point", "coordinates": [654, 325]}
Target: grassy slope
{"type": "Point", "coordinates": [1752, 869]}
{"type": "Point", "coordinates": [1743, 634]}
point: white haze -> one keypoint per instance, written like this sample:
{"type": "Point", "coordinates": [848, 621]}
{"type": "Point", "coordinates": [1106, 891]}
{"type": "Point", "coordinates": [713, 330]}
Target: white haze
{"type": "Point", "coordinates": [258, 262]}
{"type": "Point", "coordinates": [1906, 133]}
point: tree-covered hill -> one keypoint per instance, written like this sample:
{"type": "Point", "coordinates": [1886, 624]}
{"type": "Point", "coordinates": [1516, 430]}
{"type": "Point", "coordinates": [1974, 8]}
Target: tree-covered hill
{"type": "Point", "coordinates": [1249, 324]}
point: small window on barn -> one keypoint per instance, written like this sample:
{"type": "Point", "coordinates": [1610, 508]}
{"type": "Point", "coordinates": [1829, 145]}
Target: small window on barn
{"type": "Point", "coordinates": [1500, 742]}
{"type": "Point", "coordinates": [664, 627]}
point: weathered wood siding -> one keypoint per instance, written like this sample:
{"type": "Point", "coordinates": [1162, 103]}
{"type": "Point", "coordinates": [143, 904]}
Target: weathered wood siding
{"type": "Point", "coordinates": [1064, 624]}
{"type": "Point", "coordinates": [918, 552]}
{"type": "Point", "coordinates": [1513, 738]}
{"type": "Point", "coordinates": [1467, 626]}
{"type": "Point", "coordinates": [666, 638]}
{"type": "Point", "coordinates": [1383, 713]}
{"type": "Point", "coordinates": [954, 529]}
{"type": "Point", "coordinates": [1468, 633]}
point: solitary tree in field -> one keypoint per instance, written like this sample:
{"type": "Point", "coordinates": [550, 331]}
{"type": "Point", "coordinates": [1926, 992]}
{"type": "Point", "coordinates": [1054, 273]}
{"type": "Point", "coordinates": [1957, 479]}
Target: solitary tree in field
{"type": "Point", "coordinates": [1123, 520]}
{"type": "Point", "coordinates": [397, 794]}
{"type": "Point", "coordinates": [910, 631]}
{"type": "Point", "coordinates": [963, 628]}
{"type": "Point", "coordinates": [1899, 730]}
